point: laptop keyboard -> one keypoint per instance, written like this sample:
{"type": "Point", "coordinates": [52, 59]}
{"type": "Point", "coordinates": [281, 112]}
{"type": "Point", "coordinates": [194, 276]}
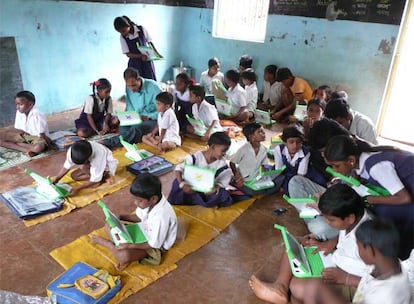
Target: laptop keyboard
{"type": "Point", "coordinates": [315, 261]}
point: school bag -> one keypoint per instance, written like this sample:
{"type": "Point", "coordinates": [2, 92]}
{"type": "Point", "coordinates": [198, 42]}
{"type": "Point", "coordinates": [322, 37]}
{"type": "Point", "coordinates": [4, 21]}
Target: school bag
{"type": "Point", "coordinates": [84, 284]}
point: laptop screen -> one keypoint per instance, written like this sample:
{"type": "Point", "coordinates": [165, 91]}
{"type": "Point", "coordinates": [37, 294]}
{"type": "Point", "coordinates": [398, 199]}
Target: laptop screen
{"type": "Point", "coordinates": [118, 223]}
{"type": "Point", "coordinates": [297, 250]}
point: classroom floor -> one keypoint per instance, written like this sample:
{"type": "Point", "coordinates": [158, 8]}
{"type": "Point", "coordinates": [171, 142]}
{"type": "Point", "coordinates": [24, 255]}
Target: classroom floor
{"type": "Point", "coordinates": [216, 273]}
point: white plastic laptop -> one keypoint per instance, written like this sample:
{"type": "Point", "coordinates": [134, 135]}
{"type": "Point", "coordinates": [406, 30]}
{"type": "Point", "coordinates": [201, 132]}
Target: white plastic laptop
{"type": "Point", "coordinates": [303, 263]}
{"type": "Point", "coordinates": [224, 107]}
{"type": "Point", "coordinates": [201, 179]}
{"type": "Point", "coordinates": [132, 152]}
{"type": "Point", "coordinates": [263, 117]}
{"type": "Point", "coordinates": [128, 118]}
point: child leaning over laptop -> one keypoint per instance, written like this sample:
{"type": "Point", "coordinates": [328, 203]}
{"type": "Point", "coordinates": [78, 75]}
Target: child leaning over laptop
{"type": "Point", "coordinates": [250, 159]}
{"type": "Point", "coordinates": [386, 282]}
{"type": "Point", "coordinates": [95, 161]}
{"type": "Point", "coordinates": [344, 210]}
{"type": "Point", "coordinates": [159, 224]}
{"type": "Point", "coordinates": [182, 192]}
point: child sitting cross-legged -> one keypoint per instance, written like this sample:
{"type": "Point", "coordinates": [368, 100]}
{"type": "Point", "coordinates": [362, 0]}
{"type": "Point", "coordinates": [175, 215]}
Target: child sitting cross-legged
{"type": "Point", "coordinates": [204, 111]}
{"type": "Point", "coordinates": [344, 210]}
{"type": "Point", "coordinates": [386, 282]}
{"type": "Point", "coordinates": [249, 78]}
{"type": "Point", "coordinates": [159, 224]}
{"type": "Point", "coordinates": [166, 134]}
{"type": "Point", "coordinates": [250, 159]}
{"type": "Point", "coordinates": [213, 158]}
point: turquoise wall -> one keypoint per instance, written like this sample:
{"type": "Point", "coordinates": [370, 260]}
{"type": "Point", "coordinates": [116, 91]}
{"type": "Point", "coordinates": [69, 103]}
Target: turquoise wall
{"type": "Point", "coordinates": [63, 45]}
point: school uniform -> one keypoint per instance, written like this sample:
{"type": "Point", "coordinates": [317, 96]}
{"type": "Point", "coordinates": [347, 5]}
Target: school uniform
{"type": "Point", "coordinates": [182, 107]}
{"type": "Point", "coordinates": [129, 45]}
{"type": "Point", "coordinates": [98, 108]}
{"type": "Point", "coordinates": [168, 121]}
{"type": "Point", "coordinates": [392, 170]}
{"type": "Point", "coordinates": [206, 80]}
{"type": "Point", "coordinates": [363, 127]}
{"type": "Point", "coordinates": [34, 123]}
{"type": "Point", "coordinates": [251, 96]}
{"type": "Point", "coordinates": [392, 290]}
{"type": "Point", "coordinates": [159, 224]}
{"type": "Point", "coordinates": [237, 97]}
{"type": "Point", "coordinates": [101, 160]}
{"type": "Point", "coordinates": [346, 255]}
{"type": "Point", "coordinates": [272, 92]}
{"type": "Point", "coordinates": [223, 177]}
{"type": "Point", "coordinates": [207, 113]}
{"type": "Point", "coordinates": [300, 85]}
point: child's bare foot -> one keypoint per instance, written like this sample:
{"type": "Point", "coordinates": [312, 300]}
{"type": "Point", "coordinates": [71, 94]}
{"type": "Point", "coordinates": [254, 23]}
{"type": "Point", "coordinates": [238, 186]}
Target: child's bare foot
{"type": "Point", "coordinates": [270, 292]}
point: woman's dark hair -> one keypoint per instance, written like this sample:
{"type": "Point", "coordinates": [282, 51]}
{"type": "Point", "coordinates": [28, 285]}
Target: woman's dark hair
{"type": "Point", "coordinates": [341, 201]}
{"type": "Point", "coordinates": [219, 138]}
{"type": "Point", "coordinates": [291, 131]}
{"type": "Point", "coordinates": [380, 234]}
{"type": "Point", "coordinates": [146, 186]}
{"type": "Point", "coordinates": [29, 96]}
{"type": "Point", "coordinates": [233, 75]}
{"type": "Point", "coordinates": [80, 151]}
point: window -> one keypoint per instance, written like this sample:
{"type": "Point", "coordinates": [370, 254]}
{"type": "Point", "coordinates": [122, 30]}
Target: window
{"type": "Point", "coordinates": [240, 19]}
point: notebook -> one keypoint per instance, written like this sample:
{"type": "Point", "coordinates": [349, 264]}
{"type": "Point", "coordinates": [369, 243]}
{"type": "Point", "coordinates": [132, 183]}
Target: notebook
{"type": "Point", "coordinates": [149, 51]}
{"type": "Point", "coordinates": [47, 188]}
{"type": "Point", "coordinates": [201, 179]}
{"type": "Point", "coordinates": [155, 165]}
{"type": "Point", "coordinates": [128, 118]}
{"type": "Point", "coordinates": [302, 262]}
{"type": "Point", "coordinates": [263, 117]}
{"type": "Point", "coordinates": [132, 152]}
{"type": "Point", "coordinates": [300, 205]}
{"type": "Point", "coordinates": [224, 107]}
{"type": "Point", "coordinates": [264, 180]}
{"type": "Point", "coordinates": [121, 233]}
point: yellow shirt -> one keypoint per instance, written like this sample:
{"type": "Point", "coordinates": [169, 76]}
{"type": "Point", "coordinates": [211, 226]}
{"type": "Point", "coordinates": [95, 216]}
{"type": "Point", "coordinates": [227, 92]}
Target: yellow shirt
{"type": "Point", "coordinates": [300, 85]}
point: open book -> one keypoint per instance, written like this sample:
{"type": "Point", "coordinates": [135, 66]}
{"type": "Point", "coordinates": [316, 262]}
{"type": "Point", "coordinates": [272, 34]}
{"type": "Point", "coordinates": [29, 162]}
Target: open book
{"type": "Point", "coordinates": [149, 51]}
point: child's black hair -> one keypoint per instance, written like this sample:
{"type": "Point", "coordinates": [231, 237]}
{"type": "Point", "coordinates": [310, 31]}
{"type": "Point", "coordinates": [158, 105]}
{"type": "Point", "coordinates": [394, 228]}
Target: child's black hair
{"type": "Point", "coordinates": [213, 61]}
{"type": "Point", "coordinates": [381, 234]}
{"type": "Point", "coordinates": [131, 73]}
{"type": "Point", "coordinates": [339, 148]}
{"type": "Point", "coordinates": [80, 151]}
{"type": "Point", "coordinates": [122, 22]}
{"type": "Point", "coordinates": [165, 98]}
{"type": "Point", "coordinates": [233, 75]}
{"type": "Point", "coordinates": [316, 101]}
{"type": "Point", "coordinates": [250, 128]}
{"type": "Point", "coordinates": [322, 131]}
{"type": "Point", "coordinates": [291, 131]}
{"type": "Point", "coordinates": [198, 91]}
{"type": "Point", "coordinates": [185, 78]}
{"type": "Point", "coordinates": [282, 74]}
{"type": "Point", "coordinates": [271, 69]}
{"type": "Point", "coordinates": [327, 90]}
{"type": "Point", "coordinates": [337, 108]}
{"type": "Point", "coordinates": [248, 74]}
{"type": "Point", "coordinates": [146, 185]}
{"type": "Point", "coordinates": [219, 138]}
{"type": "Point", "coordinates": [29, 96]}
{"type": "Point", "coordinates": [339, 95]}
{"type": "Point", "coordinates": [341, 201]}
{"type": "Point", "coordinates": [246, 61]}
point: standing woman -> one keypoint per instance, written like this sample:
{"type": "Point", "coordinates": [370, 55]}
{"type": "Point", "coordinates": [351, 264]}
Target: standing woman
{"type": "Point", "coordinates": [131, 34]}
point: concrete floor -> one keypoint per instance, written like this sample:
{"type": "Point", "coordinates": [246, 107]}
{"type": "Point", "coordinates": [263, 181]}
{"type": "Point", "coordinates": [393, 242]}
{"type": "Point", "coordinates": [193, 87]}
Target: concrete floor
{"type": "Point", "coordinates": [216, 273]}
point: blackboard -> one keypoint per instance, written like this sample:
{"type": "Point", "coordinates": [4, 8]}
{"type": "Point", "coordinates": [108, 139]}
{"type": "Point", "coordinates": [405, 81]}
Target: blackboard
{"type": "Point", "coordinates": [193, 3]}
{"type": "Point", "coordinates": [10, 80]}
{"type": "Point", "coordinates": [377, 11]}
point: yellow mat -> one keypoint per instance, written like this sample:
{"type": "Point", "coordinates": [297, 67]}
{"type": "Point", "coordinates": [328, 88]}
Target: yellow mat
{"type": "Point", "coordinates": [204, 224]}
{"type": "Point", "coordinates": [90, 195]}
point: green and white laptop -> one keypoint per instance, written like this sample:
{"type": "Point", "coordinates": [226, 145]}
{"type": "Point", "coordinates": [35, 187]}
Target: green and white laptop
{"type": "Point", "coordinates": [263, 117]}
{"type": "Point", "coordinates": [300, 205]}
{"type": "Point", "coordinates": [132, 152]}
{"type": "Point", "coordinates": [121, 233]}
{"type": "Point", "coordinates": [224, 107]}
{"type": "Point", "coordinates": [264, 180]}
{"type": "Point", "coordinates": [47, 188]}
{"type": "Point", "coordinates": [303, 263]}
{"type": "Point", "coordinates": [201, 179]}
{"type": "Point", "coordinates": [199, 127]}
{"type": "Point", "coordinates": [128, 118]}
{"type": "Point", "coordinates": [301, 111]}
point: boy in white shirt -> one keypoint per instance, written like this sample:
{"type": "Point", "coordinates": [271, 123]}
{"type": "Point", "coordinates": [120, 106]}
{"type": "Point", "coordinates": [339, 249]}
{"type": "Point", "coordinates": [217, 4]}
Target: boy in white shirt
{"type": "Point", "coordinates": [204, 111]}
{"type": "Point", "coordinates": [237, 97]}
{"type": "Point", "coordinates": [96, 165]}
{"type": "Point", "coordinates": [385, 282]}
{"type": "Point", "coordinates": [158, 222]}
{"type": "Point", "coordinates": [248, 78]}
{"type": "Point", "coordinates": [213, 72]}
{"type": "Point", "coordinates": [30, 132]}
{"type": "Point", "coordinates": [166, 135]}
